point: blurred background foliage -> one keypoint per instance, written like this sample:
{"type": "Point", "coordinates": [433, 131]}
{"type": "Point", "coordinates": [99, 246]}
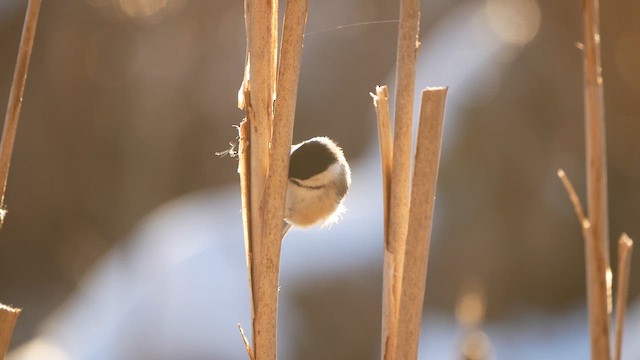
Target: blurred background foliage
{"type": "Point", "coordinates": [128, 100]}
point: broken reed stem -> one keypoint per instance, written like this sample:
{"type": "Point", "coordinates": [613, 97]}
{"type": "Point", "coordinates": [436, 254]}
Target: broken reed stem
{"type": "Point", "coordinates": [15, 96]}
{"type": "Point", "coordinates": [247, 346]}
{"type": "Point", "coordinates": [8, 318]}
{"type": "Point", "coordinates": [423, 189]}
{"type": "Point", "coordinates": [575, 200]}
{"type": "Point", "coordinates": [598, 254]}
{"type": "Point", "coordinates": [244, 171]}
{"type": "Point", "coordinates": [381, 103]}
{"type": "Point", "coordinates": [408, 32]}
{"type": "Point", "coordinates": [625, 247]}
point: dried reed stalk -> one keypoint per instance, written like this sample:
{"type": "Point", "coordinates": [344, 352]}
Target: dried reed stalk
{"type": "Point", "coordinates": [8, 315]}
{"type": "Point", "coordinates": [246, 344]}
{"type": "Point", "coordinates": [423, 189]}
{"type": "Point", "coordinates": [264, 168]}
{"type": "Point", "coordinates": [381, 103]}
{"type": "Point", "coordinates": [259, 104]}
{"type": "Point", "coordinates": [598, 253]}
{"type": "Point", "coordinates": [244, 171]}
{"type": "Point", "coordinates": [8, 318]}
{"type": "Point", "coordinates": [276, 185]}
{"type": "Point", "coordinates": [625, 247]}
{"type": "Point", "coordinates": [585, 225]}
{"type": "Point", "coordinates": [408, 32]}
{"type": "Point", "coordinates": [385, 136]}
{"type": "Point", "coordinates": [285, 109]}
{"type": "Point", "coordinates": [15, 96]}
{"type": "Point", "coordinates": [258, 101]}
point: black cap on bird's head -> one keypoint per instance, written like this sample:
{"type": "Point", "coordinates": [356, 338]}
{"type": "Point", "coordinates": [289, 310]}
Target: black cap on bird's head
{"type": "Point", "coordinates": [312, 157]}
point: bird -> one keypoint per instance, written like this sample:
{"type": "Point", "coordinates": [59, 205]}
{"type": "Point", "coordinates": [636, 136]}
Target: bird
{"type": "Point", "coordinates": [318, 181]}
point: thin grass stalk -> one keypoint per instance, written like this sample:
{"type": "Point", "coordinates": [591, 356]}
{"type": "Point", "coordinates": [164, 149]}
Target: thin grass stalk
{"type": "Point", "coordinates": [408, 32]}
{"type": "Point", "coordinates": [594, 284]}
{"type": "Point", "coordinates": [625, 247]}
{"type": "Point", "coordinates": [8, 318]}
{"type": "Point", "coordinates": [598, 254]}
{"type": "Point", "coordinates": [573, 197]}
{"type": "Point", "coordinates": [15, 96]}
{"type": "Point", "coordinates": [423, 190]}
{"type": "Point", "coordinates": [9, 315]}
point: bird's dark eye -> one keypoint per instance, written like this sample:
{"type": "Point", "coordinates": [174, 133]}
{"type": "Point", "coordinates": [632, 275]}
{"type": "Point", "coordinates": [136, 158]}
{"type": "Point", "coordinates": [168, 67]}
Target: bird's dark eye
{"type": "Point", "coordinates": [309, 159]}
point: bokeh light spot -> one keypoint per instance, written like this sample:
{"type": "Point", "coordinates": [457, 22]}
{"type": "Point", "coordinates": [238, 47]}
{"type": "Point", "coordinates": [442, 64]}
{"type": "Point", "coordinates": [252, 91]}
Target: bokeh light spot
{"type": "Point", "coordinates": [516, 21]}
{"type": "Point", "coordinates": [142, 8]}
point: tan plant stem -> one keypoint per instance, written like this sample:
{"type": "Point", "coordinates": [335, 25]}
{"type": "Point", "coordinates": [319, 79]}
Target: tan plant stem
{"type": "Point", "coordinates": [575, 200]}
{"type": "Point", "coordinates": [423, 190]}
{"type": "Point", "coordinates": [15, 96]}
{"type": "Point", "coordinates": [259, 116]}
{"type": "Point", "coordinates": [244, 171]}
{"type": "Point", "coordinates": [247, 346]}
{"type": "Point", "coordinates": [381, 103]}
{"type": "Point", "coordinates": [401, 169]}
{"type": "Point", "coordinates": [598, 253]}
{"type": "Point", "coordinates": [596, 302]}
{"type": "Point", "coordinates": [264, 167]}
{"type": "Point", "coordinates": [385, 136]}
{"type": "Point", "coordinates": [625, 247]}
{"type": "Point", "coordinates": [285, 108]}
{"type": "Point", "coordinates": [8, 315]}
{"type": "Point", "coordinates": [277, 179]}
{"type": "Point", "coordinates": [8, 318]}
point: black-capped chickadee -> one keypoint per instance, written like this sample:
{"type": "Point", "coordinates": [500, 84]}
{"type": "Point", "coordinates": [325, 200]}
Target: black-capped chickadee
{"type": "Point", "coordinates": [319, 178]}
